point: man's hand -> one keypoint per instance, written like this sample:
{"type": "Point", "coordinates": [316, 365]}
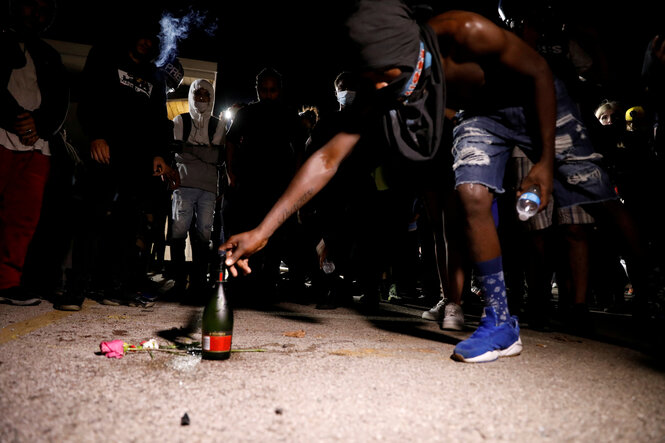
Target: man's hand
{"type": "Point", "coordinates": [161, 169]}
{"type": "Point", "coordinates": [25, 128]}
{"type": "Point", "coordinates": [100, 152]}
{"type": "Point", "coordinates": [312, 176]}
{"type": "Point", "coordinates": [542, 176]}
{"type": "Point", "coordinates": [231, 177]}
{"type": "Point", "coordinates": [239, 247]}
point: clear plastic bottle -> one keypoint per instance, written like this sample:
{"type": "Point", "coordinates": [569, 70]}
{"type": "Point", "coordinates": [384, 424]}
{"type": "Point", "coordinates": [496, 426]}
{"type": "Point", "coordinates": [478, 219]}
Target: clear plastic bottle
{"type": "Point", "coordinates": [328, 266]}
{"type": "Point", "coordinates": [528, 203]}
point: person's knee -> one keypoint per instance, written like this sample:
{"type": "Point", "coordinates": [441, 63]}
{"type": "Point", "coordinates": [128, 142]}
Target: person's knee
{"type": "Point", "coordinates": [476, 199]}
{"type": "Point", "coordinates": [201, 238]}
{"type": "Point", "coordinates": [575, 233]}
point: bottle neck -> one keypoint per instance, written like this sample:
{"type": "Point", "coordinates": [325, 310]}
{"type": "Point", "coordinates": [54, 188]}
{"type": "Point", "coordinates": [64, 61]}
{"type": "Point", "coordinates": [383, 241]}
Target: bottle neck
{"type": "Point", "coordinates": [221, 270]}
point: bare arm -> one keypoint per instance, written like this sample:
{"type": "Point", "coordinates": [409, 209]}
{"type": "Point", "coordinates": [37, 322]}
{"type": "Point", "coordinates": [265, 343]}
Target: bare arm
{"type": "Point", "coordinates": [472, 39]}
{"type": "Point", "coordinates": [525, 60]}
{"type": "Point", "coordinates": [314, 174]}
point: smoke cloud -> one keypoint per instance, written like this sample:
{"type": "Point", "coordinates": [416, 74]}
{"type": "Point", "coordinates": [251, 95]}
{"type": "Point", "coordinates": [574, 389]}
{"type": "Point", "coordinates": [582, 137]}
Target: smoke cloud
{"type": "Point", "coordinates": [174, 29]}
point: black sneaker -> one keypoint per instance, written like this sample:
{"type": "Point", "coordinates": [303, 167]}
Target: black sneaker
{"type": "Point", "coordinates": [143, 300]}
{"type": "Point", "coordinates": [369, 301]}
{"type": "Point", "coordinates": [67, 301]}
{"type": "Point", "coordinates": [18, 296]}
{"type": "Point", "coordinates": [133, 300]}
{"type": "Point", "coordinates": [327, 300]}
{"type": "Point", "coordinates": [117, 296]}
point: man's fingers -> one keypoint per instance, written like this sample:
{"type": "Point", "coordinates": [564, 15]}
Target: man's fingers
{"type": "Point", "coordinates": [230, 259]}
{"type": "Point", "coordinates": [232, 269]}
{"type": "Point", "coordinates": [28, 140]}
{"type": "Point", "coordinates": [97, 155]}
{"type": "Point", "coordinates": [243, 264]}
{"type": "Point", "coordinates": [233, 259]}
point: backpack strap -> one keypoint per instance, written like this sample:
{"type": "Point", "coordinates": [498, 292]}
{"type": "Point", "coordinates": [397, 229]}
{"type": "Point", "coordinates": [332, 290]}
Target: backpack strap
{"type": "Point", "coordinates": [186, 126]}
{"type": "Point", "coordinates": [212, 127]}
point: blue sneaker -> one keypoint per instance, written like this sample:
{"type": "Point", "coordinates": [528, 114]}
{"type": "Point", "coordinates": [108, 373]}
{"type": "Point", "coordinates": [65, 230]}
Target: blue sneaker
{"type": "Point", "coordinates": [490, 341]}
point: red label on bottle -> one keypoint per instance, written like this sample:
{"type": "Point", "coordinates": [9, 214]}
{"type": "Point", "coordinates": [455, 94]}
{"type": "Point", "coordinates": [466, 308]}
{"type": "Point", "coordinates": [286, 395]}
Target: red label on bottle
{"type": "Point", "coordinates": [217, 343]}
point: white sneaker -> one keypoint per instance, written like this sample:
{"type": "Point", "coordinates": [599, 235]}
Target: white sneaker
{"type": "Point", "coordinates": [453, 318]}
{"type": "Point", "coordinates": [436, 313]}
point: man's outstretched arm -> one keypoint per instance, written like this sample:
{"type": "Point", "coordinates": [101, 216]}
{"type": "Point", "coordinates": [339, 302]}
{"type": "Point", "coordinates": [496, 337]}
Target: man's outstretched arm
{"type": "Point", "coordinates": [314, 174]}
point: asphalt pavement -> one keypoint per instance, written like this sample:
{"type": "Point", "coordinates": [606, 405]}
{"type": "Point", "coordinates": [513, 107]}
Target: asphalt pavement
{"type": "Point", "coordinates": [298, 374]}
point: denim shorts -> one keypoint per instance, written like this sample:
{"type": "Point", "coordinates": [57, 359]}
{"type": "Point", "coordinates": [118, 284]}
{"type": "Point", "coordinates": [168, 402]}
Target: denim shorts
{"type": "Point", "coordinates": [483, 143]}
{"type": "Point", "coordinates": [518, 167]}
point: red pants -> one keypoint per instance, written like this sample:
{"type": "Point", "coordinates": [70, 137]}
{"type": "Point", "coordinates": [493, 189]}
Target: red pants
{"type": "Point", "coordinates": [23, 177]}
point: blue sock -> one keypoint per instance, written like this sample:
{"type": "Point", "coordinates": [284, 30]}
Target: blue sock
{"type": "Point", "coordinates": [490, 277]}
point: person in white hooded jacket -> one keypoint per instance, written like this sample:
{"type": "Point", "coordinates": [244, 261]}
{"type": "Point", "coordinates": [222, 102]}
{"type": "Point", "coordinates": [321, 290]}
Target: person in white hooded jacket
{"type": "Point", "coordinates": [198, 164]}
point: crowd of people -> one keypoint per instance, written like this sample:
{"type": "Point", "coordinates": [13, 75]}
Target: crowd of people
{"type": "Point", "coordinates": [407, 191]}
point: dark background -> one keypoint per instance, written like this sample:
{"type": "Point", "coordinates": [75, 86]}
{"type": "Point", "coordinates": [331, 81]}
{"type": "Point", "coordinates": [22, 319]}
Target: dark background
{"type": "Point", "coordinates": [304, 40]}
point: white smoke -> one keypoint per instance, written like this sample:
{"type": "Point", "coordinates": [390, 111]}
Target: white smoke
{"type": "Point", "coordinates": [174, 29]}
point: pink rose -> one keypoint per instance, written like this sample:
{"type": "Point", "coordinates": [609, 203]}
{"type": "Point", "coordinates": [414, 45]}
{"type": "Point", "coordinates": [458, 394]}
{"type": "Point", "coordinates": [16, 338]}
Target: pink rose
{"type": "Point", "coordinates": [113, 348]}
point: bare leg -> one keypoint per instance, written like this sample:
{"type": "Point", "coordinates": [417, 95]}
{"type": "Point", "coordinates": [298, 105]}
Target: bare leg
{"type": "Point", "coordinates": [614, 214]}
{"type": "Point", "coordinates": [445, 214]}
{"type": "Point", "coordinates": [538, 276]}
{"type": "Point", "coordinates": [497, 323]}
{"type": "Point", "coordinates": [481, 232]}
{"type": "Point", "coordinates": [577, 243]}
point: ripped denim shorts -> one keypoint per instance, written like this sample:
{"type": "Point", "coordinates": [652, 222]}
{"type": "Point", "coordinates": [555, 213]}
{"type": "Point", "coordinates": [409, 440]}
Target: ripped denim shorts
{"type": "Point", "coordinates": [483, 143]}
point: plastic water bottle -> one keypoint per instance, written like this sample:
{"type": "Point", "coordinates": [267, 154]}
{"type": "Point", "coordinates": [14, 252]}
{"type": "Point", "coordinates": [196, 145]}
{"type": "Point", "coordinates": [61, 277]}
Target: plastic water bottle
{"type": "Point", "coordinates": [328, 266]}
{"type": "Point", "coordinates": [528, 203]}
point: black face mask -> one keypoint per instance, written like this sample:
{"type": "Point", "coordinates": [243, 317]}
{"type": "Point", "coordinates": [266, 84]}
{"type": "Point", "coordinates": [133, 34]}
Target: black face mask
{"type": "Point", "coordinates": [614, 128]}
{"type": "Point", "coordinates": [269, 102]}
{"type": "Point", "coordinates": [391, 95]}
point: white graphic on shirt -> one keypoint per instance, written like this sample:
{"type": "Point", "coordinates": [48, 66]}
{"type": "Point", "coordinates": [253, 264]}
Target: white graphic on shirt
{"type": "Point", "coordinates": [136, 83]}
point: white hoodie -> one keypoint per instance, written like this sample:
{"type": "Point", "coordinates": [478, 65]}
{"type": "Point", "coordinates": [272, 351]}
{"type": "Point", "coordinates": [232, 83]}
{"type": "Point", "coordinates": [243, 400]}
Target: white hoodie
{"type": "Point", "coordinates": [200, 119]}
{"type": "Point", "coordinates": [198, 160]}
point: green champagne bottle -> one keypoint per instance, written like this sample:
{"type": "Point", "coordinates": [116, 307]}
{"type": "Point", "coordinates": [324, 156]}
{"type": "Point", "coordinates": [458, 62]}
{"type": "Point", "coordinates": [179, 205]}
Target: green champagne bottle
{"type": "Point", "coordinates": [217, 324]}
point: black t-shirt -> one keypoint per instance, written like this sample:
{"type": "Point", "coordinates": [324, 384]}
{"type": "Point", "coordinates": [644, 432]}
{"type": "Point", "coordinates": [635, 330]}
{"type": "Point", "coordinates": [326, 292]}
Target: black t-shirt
{"type": "Point", "coordinates": [124, 103]}
{"type": "Point", "coordinates": [265, 134]}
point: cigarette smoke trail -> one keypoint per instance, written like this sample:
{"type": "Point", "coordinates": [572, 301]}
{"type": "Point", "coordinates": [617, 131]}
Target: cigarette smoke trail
{"type": "Point", "coordinates": [174, 29]}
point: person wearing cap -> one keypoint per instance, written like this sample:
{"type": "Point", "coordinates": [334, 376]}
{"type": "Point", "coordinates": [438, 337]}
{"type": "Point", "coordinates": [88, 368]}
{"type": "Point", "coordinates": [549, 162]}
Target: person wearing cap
{"type": "Point", "coordinates": [506, 96]}
{"type": "Point", "coordinates": [33, 106]}
{"type": "Point", "coordinates": [635, 118]}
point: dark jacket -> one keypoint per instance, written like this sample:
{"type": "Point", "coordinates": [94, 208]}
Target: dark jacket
{"type": "Point", "coordinates": [124, 103]}
{"type": "Point", "coordinates": [51, 77]}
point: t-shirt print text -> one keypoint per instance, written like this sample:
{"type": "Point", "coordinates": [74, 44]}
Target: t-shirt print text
{"type": "Point", "coordinates": [137, 83]}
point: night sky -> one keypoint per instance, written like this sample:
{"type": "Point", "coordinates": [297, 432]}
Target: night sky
{"type": "Point", "coordinates": [304, 41]}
